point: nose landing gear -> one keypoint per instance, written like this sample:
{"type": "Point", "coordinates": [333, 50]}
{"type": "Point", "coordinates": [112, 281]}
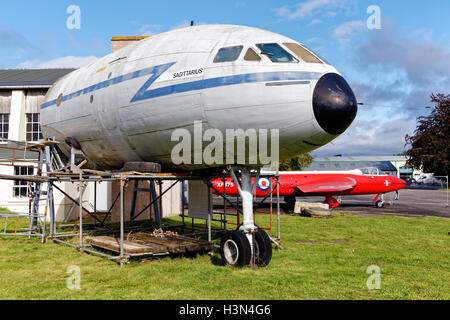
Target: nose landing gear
{"type": "Point", "coordinates": [249, 244]}
{"type": "Point", "coordinates": [379, 201]}
{"type": "Point", "coordinates": [236, 251]}
{"type": "Point", "coordinates": [263, 248]}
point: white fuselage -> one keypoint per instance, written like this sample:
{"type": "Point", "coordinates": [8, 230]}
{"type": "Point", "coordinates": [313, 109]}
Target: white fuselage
{"type": "Point", "coordinates": [125, 106]}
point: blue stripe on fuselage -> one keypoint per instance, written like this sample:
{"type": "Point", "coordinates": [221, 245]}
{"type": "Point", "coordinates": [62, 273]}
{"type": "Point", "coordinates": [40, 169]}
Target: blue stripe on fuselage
{"type": "Point", "coordinates": [154, 71]}
{"type": "Point", "coordinates": [144, 94]}
{"type": "Point", "coordinates": [223, 81]}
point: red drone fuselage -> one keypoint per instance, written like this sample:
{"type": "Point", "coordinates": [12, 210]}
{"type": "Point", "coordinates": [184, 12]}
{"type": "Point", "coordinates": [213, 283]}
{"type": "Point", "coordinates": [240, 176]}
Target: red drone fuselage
{"type": "Point", "coordinates": [317, 184]}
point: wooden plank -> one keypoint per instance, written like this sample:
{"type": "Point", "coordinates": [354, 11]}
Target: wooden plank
{"type": "Point", "coordinates": [98, 173]}
{"type": "Point", "coordinates": [174, 243]}
{"type": "Point", "coordinates": [172, 247]}
{"type": "Point", "coordinates": [113, 244]}
{"type": "Point", "coordinates": [41, 144]}
{"type": "Point", "coordinates": [193, 244]}
{"type": "Point", "coordinates": [142, 243]}
{"type": "Point", "coordinates": [24, 178]}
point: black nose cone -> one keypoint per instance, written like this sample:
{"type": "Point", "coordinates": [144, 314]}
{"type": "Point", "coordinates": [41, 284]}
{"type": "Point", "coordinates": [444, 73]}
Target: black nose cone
{"type": "Point", "coordinates": [334, 104]}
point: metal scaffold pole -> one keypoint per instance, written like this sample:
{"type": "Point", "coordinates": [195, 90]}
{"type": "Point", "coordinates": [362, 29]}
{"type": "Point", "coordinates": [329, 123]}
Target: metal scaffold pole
{"type": "Point", "coordinates": [278, 206]}
{"type": "Point", "coordinates": [447, 205]}
{"type": "Point", "coordinates": [50, 199]}
{"type": "Point", "coordinates": [210, 213]}
{"type": "Point", "coordinates": [49, 172]}
{"type": "Point", "coordinates": [81, 189]}
{"type": "Point", "coordinates": [122, 184]}
{"type": "Point", "coordinates": [224, 203]}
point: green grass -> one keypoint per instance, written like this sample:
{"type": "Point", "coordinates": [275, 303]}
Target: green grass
{"type": "Point", "coordinates": [413, 254]}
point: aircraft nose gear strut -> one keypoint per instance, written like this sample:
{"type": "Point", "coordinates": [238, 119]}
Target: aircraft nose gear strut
{"type": "Point", "coordinates": [249, 244]}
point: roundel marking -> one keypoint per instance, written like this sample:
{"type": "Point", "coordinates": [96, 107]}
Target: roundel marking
{"type": "Point", "coordinates": [264, 184]}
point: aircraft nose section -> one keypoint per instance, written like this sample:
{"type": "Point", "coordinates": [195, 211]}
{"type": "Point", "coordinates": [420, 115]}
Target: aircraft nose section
{"type": "Point", "coordinates": [399, 183]}
{"type": "Point", "coordinates": [334, 104]}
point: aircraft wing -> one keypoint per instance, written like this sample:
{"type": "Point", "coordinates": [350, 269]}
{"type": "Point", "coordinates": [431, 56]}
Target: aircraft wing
{"type": "Point", "coordinates": [335, 184]}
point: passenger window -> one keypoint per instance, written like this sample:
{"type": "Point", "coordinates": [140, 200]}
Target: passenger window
{"type": "Point", "coordinates": [302, 53]}
{"type": "Point", "coordinates": [276, 53]}
{"type": "Point", "coordinates": [251, 55]}
{"type": "Point", "coordinates": [228, 54]}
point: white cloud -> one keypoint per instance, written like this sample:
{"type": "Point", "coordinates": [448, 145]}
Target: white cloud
{"type": "Point", "coordinates": [283, 12]}
{"type": "Point", "coordinates": [348, 28]}
{"type": "Point", "coordinates": [315, 21]}
{"type": "Point", "coordinates": [312, 40]}
{"type": "Point", "coordinates": [63, 62]}
{"type": "Point", "coordinates": [331, 14]}
{"type": "Point", "coordinates": [306, 8]}
{"type": "Point", "coordinates": [15, 47]}
{"type": "Point", "coordinates": [426, 63]}
{"type": "Point", "coordinates": [150, 29]}
{"type": "Point", "coordinates": [12, 39]}
{"type": "Point", "coordinates": [371, 137]}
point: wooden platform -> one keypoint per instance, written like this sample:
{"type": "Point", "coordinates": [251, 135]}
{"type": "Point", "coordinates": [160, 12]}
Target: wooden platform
{"type": "Point", "coordinates": [148, 244]}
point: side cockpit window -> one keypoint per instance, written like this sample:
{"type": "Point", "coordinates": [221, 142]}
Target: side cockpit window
{"type": "Point", "coordinates": [276, 53]}
{"type": "Point", "coordinates": [251, 55]}
{"type": "Point", "coordinates": [228, 54]}
{"type": "Point", "coordinates": [302, 53]}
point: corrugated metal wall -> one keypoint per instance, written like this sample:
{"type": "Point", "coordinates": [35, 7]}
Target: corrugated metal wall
{"type": "Point", "coordinates": [34, 99]}
{"type": "Point", "coordinates": [5, 101]}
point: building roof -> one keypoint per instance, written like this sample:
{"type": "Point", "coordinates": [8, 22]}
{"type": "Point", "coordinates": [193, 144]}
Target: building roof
{"type": "Point", "coordinates": [129, 38]}
{"type": "Point", "coordinates": [382, 166]}
{"type": "Point", "coordinates": [382, 163]}
{"type": "Point", "coordinates": [360, 159]}
{"type": "Point", "coordinates": [32, 78]}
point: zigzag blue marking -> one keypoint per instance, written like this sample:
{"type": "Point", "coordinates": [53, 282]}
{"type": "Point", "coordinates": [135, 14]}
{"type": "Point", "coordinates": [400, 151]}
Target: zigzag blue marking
{"type": "Point", "coordinates": [144, 94]}
{"type": "Point", "coordinates": [155, 71]}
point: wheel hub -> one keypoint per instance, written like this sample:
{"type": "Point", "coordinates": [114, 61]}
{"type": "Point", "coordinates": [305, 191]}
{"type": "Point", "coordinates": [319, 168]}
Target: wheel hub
{"type": "Point", "coordinates": [231, 252]}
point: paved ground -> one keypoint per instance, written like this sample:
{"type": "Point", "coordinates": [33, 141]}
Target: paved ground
{"type": "Point", "coordinates": [412, 203]}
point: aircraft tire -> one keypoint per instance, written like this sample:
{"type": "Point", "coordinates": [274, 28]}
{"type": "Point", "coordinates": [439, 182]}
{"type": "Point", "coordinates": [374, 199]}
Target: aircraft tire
{"type": "Point", "coordinates": [379, 204]}
{"type": "Point", "coordinates": [235, 249]}
{"type": "Point", "coordinates": [263, 247]}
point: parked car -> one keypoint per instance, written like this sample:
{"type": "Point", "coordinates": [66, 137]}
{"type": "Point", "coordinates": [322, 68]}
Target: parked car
{"type": "Point", "coordinates": [428, 179]}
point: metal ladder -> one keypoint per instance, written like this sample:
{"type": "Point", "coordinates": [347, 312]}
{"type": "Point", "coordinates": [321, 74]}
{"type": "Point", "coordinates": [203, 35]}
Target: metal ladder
{"type": "Point", "coordinates": [153, 198]}
{"type": "Point", "coordinates": [48, 159]}
{"type": "Point", "coordinates": [45, 160]}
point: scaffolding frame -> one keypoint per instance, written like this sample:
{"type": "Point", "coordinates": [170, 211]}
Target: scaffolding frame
{"type": "Point", "coordinates": [44, 225]}
{"type": "Point", "coordinates": [37, 221]}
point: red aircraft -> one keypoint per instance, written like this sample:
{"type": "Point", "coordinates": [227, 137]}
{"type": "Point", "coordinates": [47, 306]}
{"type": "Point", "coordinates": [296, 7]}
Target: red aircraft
{"type": "Point", "coordinates": [326, 183]}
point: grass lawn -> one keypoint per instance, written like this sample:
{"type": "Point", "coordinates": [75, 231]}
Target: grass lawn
{"type": "Point", "coordinates": [412, 253]}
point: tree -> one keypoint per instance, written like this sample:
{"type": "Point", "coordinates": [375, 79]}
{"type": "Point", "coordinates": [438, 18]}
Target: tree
{"type": "Point", "coordinates": [430, 145]}
{"type": "Point", "coordinates": [297, 163]}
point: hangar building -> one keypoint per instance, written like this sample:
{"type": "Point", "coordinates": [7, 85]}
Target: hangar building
{"type": "Point", "coordinates": [392, 165]}
{"type": "Point", "coordinates": [21, 94]}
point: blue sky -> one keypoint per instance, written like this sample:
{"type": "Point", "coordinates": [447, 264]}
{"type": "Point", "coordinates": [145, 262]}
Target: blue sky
{"type": "Point", "coordinates": [392, 70]}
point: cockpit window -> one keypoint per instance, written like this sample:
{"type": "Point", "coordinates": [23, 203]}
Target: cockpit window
{"type": "Point", "coordinates": [228, 54]}
{"type": "Point", "coordinates": [251, 55]}
{"type": "Point", "coordinates": [276, 53]}
{"type": "Point", "coordinates": [302, 53]}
